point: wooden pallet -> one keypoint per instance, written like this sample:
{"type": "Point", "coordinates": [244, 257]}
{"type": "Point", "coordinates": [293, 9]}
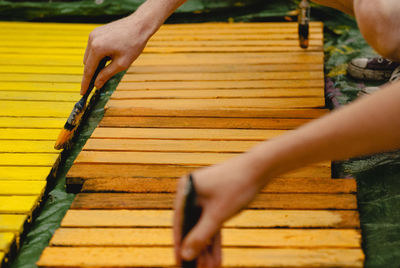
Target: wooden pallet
{"type": "Point", "coordinates": [200, 94]}
{"type": "Point", "coordinates": [34, 107]}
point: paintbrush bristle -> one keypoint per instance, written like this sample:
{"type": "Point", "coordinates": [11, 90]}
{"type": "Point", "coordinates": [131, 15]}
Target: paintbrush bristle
{"type": "Point", "coordinates": [64, 137]}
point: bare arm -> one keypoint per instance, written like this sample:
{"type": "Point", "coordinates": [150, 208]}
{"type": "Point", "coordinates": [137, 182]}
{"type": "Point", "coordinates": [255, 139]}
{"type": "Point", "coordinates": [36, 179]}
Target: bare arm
{"type": "Point", "coordinates": [345, 6]}
{"type": "Point", "coordinates": [367, 126]}
{"type": "Point", "coordinates": [123, 40]}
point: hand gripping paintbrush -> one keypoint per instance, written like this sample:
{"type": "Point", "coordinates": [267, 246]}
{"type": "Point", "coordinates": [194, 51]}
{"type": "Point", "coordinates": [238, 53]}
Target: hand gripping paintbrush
{"type": "Point", "coordinates": [191, 215]}
{"type": "Point", "coordinates": [74, 118]}
{"type": "Point", "coordinates": [304, 20]}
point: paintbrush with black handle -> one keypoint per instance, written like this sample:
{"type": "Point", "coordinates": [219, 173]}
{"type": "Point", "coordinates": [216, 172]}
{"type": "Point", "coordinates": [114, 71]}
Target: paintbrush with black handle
{"type": "Point", "coordinates": [304, 21]}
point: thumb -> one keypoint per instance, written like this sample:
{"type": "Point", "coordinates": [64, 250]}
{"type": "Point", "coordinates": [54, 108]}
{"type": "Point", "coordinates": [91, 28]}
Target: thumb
{"type": "Point", "coordinates": [199, 237]}
{"type": "Point", "coordinates": [109, 71]}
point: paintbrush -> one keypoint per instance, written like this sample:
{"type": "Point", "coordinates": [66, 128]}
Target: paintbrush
{"type": "Point", "coordinates": [304, 20]}
{"type": "Point", "coordinates": [191, 215]}
{"type": "Point", "coordinates": [67, 133]}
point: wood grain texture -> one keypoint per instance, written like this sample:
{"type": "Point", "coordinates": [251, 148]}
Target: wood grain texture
{"type": "Point", "coordinates": [168, 185]}
{"type": "Point", "coordinates": [266, 238]}
{"type": "Point", "coordinates": [166, 201]}
{"type": "Point", "coordinates": [247, 219]}
{"type": "Point", "coordinates": [203, 122]}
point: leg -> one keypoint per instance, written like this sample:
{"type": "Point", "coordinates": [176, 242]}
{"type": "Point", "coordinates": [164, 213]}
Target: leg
{"type": "Point", "coordinates": [345, 6]}
{"type": "Point", "coordinates": [379, 22]}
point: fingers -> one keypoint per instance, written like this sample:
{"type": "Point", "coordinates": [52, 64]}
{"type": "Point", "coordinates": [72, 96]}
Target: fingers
{"type": "Point", "coordinates": [113, 68]}
{"type": "Point", "coordinates": [92, 61]}
{"type": "Point", "coordinates": [178, 217]}
{"type": "Point", "coordinates": [201, 236]}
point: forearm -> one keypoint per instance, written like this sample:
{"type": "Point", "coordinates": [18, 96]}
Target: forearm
{"type": "Point", "coordinates": [153, 13]}
{"type": "Point", "coordinates": [367, 126]}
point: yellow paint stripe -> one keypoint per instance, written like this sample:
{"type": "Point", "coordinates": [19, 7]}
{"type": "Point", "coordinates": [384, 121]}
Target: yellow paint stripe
{"type": "Point", "coordinates": [40, 96]}
{"type": "Point", "coordinates": [39, 86]}
{"type": "Point", "coordinates": [10, 187]}
{"type": "Point", "coordinates": [41, 78]}
{"type": "Point", "coordinates": [18, 204]}
{"type": "Point", "coordinates": [21, 146]}
{"type": "Point", "coordinates": [37, 108]}
{"type": "Point", "coordinates": [28, 159]}
{"type": "Point", "coordinates": [12, 223]}
{"type": "Point", "coordinates": [42, 69]}
{"type": "Point", "coordinates": [29, 134]}
{"type": "Point", "coordinates": [32, 122]}
{"type": "Point", "coordinates": [6, 239]}
{"type": "Point", "coordinates": [24, 173]}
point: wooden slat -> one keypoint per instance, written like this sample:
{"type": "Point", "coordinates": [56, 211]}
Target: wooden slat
{"type": "Point", "coordinates": [31, 122]}
{"type": "Point", "coordinates": [168, 185]}
{"type": "Point", "coordinates": [269, 238]}
{"type": "Point", "coordinates": [12, 223]}
{"type": "Point", "coordinates": [27, 159]}
{"type": "Point", "coordinates": [214, 94]}
{"type": "Point", "coordinates": [39, 86]}
{"type": "Point", "coordinates": [18, 204]}
{"type": "Point", "coordinates": [39, 96]}
{"type": "Point", "coordinates": [248, 219]}
{"type": "Point", "coordinates": [31, 134]}
{"type": "Point", "coordinates": [262, 84]}
{"type": "Point", "coordinates": [36, 108]}
{"type": "Point", "coordinates": [226, 113]}
{"type": "Point", "coordinates": [24, 173]}
{"type": "Point", "coordinates": [185, 134]}
{"type": "Point", "coordinates": [81, 172]}
{"type": "Point", "coordinates": [166, 201]}
{"type": "Point", "coordinates": [6, 240]}
{"type": "Point", "coordinates": [12, 187]}
{"type": "Point", "coordinates": [23, 146]}
{"type": "Point", "coordinates": [203, 122]}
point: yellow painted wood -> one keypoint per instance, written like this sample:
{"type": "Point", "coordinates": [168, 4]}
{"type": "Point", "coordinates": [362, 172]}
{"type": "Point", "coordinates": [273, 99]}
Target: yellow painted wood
{"type": "Point", "coordinates": [2, 256]}
{"type": "Point", "coordinates": [28, 159]}
{"type": "Point", "coordinates": [40, 96]}
{"type": "Point", "coordinates": [213, 94]}
{"type": "Point", "coordinates": [6, 240]}
{"type": "Point", "coordinates": [179, 85]}
{"type": "Point", "coordinates": [233, 257]}
{"type": "Point", "coordinates": [8, 77]}
{"type": "Point", "coordinates": [22, 146]}
{"type": "Point", "coordinates": [24, 173]}
{"type": "Point", "coordinates": [37, 108]}
{"type": "Point", "coordinates": [32, 122]}
{"type": "Point", "coordinates": [75, 70]}
{"type": "Point", "coordinates": [284, 238]}
{"type": "Point", "coordinates": [18, 204]}
{"type": "Point", "coordinates": [29, 134]}
{"type": "Point", "coordinates": [163, 218]}
{"type": "Point", "coordinates": [12, 187]}
{"type": "Point", "coordinates": [39, 86]}
{"type": "Point", "coordinates": [185, 134]}
{"type": "Point", "coordinates": [267, 103]}
{"type": "Point", "coordinates": [12, 223]}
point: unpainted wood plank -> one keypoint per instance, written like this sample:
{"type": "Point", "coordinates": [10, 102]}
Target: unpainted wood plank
{"type": "Point", "coordinates": [81, 172]}
{"type": "Point", "coordinates": [32, 173]}
{"type": "Point", "coordinates": [6, 240]}
{"type": "Point", "coordinates": [168, 185]}
{"type": "Point", "coordinates": [40, 96]}
{"type": "Point", "coordinates": [167, 145]}
{"type": "Point", "coordinates": [23, 146]}
{"type": "Point", "coordinates": [166, 201]}
{"type": "Point", "coordinates": [195, 159]}
{"type": "Point", "coordinates": [29, 134]}
{"type": "Point", "coordinates": [175, 58]}
{"type": "Point", "coordinates": [28, 159]}
{"type": "Point", "coordinates": [243, 257]}
{"type": "Point", "coordinates": [246, 219]}
{"type": "Point", "coordinates": [36, 108]}
{"type": "Point", "coordinates": [185, 134]}
{"type": "Point", "coordinates": [39, 86]}
{"type": "Point", "coordinates": [31, 122]}
{"type": "Point", "coordinates": [269, 238]}
{"type": "Point", "coordinates": [12, 223]}
{"type": "Point", "coordinates": [12, 187]}
{"type": "Point", "coordinates": [200, 122]}
{"type": "Point", "coordinates": [214, 94]}
{"type": "Point", "coordinates": [238, 76]}
{"type": "Point", "coordinates": [16, 204]}
{"type": "Point", "coordinates": [225, 112]}
{"type": "Point", "coordinates": [123, 106]}
{"type": "Point", "coordinates": [200, 85]}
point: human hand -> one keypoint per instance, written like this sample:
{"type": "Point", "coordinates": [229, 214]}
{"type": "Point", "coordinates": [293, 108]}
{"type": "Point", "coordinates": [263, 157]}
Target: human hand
{"type": "Point", "coordinates": [122, 40]}
{"type": "Point", "coordinates": [222, 191]}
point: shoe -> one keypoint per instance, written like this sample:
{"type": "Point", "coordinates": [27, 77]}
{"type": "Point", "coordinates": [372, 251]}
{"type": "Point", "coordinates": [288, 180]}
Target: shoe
{"type": "Point", "coordinates": [371, 69]}
{"type": "Point", "coordinates": [395, 76]}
